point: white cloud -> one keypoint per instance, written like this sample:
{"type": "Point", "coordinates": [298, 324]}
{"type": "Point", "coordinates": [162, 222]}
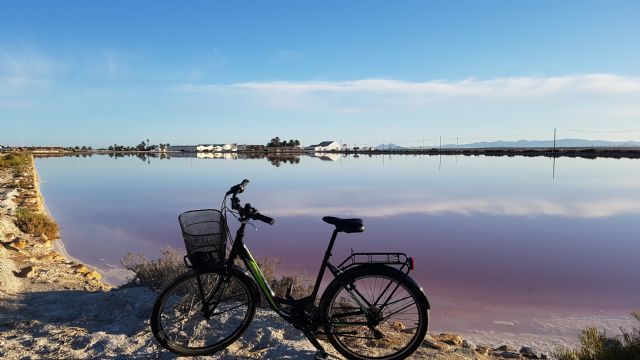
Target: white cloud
{"type": "Point", "coordinates": [471, 206]}
{"type": "Point", "coordinates": [526, 86]}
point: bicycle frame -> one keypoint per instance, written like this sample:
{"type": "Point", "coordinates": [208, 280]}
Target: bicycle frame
{"type": "Point", "coordinates": [240, 250]}
{"type": "Point", "coordinates": [303, 305]}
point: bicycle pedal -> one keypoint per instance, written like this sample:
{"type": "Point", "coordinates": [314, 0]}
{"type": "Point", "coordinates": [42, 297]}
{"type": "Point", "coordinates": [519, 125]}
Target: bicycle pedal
{"type": "Point", "coordinates": [321, 355]}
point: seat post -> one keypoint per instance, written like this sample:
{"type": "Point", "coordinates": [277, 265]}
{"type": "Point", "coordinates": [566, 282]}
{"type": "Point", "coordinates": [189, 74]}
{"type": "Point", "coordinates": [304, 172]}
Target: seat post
{"type": "Point", "coordinates": [323, 267]}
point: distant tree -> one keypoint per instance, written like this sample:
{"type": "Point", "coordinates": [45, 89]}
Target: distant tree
{"type": "Point", "coordinates": [275, 142]}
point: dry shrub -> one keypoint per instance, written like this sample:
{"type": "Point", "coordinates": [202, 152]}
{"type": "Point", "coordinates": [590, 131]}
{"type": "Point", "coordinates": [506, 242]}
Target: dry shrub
{"type": "Point", "coordinates": [36, 223]}
{"type": "Point", "coordinates": [15, 160]}
{"type": "Point", "coordinates": [159, 273]}
{"type": "Point", "coordinates": [596, 345]}
{"type": "Point", "coordinates": [154, 274]}
{"type": "Point", "coordinates": [301, 283]}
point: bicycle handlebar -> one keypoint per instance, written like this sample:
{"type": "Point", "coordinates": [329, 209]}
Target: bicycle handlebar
{"type": "Point", "coordinates": [246, 211]}
{"type": "Point", "coordinates": [263, 218]}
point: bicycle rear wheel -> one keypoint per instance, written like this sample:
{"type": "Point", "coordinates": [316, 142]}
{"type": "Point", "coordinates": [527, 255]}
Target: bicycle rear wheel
{"type": "Point", "coordinates": [381, 314]}
{"type": "Point", "coordinates": [202, 313]}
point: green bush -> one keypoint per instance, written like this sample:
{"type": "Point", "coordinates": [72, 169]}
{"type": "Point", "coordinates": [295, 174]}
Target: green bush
{"type": "Point", "coordinates": [15, 160]}
{"type": "Point", "coordinates": [36, 223]}
{"type": "Point", "coordinates": [596, 345]}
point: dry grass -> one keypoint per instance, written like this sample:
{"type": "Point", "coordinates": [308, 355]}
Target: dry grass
{"type": "Point", "coordinates": [154, 274]}
{"type": "Point", "coordinates": [15, 160]}
{"type": "Point", "coordinates": [596, 345]}
{"type": "Point", "coordinates": [301, 283]}
{"type": "Point", "coordinates": [157, 274]}
{"type": "Point", "coordinates": [36, 223]}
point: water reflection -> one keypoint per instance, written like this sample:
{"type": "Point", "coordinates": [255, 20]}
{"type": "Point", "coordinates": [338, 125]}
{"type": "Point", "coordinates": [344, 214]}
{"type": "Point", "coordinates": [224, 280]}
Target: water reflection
{"type": "Point", "coordinates": [275, 159]}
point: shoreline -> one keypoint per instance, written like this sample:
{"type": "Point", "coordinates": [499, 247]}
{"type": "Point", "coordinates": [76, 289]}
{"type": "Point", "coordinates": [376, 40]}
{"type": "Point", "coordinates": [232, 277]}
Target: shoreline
{"type": "Point", "coordinates": [110, 277]}
{"type": "Point", "coordinates": [39, 263]}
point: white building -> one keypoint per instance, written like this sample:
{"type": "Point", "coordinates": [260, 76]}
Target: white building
{"type": "Point", "coordinates": [205, 148]}
{"type": "Point", "coordinates": [324, 146]}
{"type": "Point", "coordinates": [217, 147]}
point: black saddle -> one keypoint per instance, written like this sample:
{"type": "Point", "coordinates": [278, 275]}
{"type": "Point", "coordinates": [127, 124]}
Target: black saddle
{"type": "Point", "coordinates": [345, 225]}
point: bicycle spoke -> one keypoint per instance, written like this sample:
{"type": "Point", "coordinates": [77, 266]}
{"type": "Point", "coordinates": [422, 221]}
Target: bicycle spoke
{"type": "Point", "coordinates": [388, 322]}
{"type": "Point", "coordinates": [188, 322]}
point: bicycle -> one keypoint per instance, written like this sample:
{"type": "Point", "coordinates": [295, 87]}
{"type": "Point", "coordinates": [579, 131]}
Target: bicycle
{"type": "Point", "coordinates": [372, 309]}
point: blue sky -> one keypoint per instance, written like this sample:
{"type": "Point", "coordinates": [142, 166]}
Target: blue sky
{"type": "Point", "coordinates": [99, 72]}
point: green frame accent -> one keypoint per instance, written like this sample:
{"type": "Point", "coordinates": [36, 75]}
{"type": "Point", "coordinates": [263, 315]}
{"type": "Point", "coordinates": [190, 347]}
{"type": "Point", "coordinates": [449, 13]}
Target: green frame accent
{"type": "Point", "coordinates": [255, 270]}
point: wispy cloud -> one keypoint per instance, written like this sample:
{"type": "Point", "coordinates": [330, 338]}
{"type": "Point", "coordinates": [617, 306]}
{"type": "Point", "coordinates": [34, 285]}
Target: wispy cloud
{"type": "Point", "coordinates": [24, 70]}
{"type": "Point", "coordinates": [526, 86]}
{"type": "Point", "coordinates": [471, 206]}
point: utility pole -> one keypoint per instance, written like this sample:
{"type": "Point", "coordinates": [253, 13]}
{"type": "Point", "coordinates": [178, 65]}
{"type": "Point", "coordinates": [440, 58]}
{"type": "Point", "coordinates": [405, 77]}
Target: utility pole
{"type": "Point", "coordinates": [440, 143]}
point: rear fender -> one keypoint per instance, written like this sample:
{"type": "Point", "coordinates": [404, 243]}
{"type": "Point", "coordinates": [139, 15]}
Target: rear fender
{"type": "Point", "coordinates": [358, 268]}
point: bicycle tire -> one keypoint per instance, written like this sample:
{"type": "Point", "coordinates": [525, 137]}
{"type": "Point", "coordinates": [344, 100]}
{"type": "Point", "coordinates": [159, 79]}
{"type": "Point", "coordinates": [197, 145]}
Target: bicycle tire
{"type": "Point", "coordinates": [185, 292]}
{"type": "Point", "coordinates": [336, 316]}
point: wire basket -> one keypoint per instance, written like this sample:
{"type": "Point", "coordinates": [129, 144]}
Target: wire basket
{"type": "Point", "coordinates": [205, 236]}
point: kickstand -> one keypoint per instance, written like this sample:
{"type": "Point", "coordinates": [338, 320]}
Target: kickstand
{"type": "Point", "coordinates": [321, 354]}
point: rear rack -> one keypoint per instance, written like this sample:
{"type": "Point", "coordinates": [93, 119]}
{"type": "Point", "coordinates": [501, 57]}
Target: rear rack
{"type": "Point", "coordinates": [404, 262]}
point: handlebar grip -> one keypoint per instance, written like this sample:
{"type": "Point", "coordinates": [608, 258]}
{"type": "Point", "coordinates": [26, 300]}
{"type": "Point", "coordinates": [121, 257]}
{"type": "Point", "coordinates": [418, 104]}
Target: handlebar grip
{"type": "Point", "coordinates": [238, 188]}
{"type": "Point", "coordinates": [243, 184]}
{"type": "Point", "coordinates": [263, 218]}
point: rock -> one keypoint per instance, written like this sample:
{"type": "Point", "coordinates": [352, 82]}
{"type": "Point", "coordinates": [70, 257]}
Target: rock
{"type": "Point", "coordinates": [447, 338]}
{"type": "Point", "coordinates": [44, 237]}
{"type": "Point", "coordinates": [25, 272]}
{"type": "Point", "coordinates": [19, 244]}
{"type": "Point", "coordinates": [482, 350]}
{"type": "Point", "coordinates": [435, 345]}
{"type": "Point", "coordinates": [466, 352]}
{"type": "Point", "coordinates": [508, 354]}
{"type": "Point", "coordinates": [612, 343]}
{"type": "Point", "coordinates": [468, 345]}
{"type": "Point", "coordinates": [529, 352]}
{"type": "Point", "coordinates": [505, 348]}
{"type": "Point", "coordinates": [81, 269]}
{"type": "Point", "coordinates": [47, 244]}
{"type": "Point", "coordinates": [398, 326]}
{"type": "Point", "coordinates": [93, 275]}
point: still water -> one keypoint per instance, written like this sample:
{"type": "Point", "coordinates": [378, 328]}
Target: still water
{"type": "Point", "coordinates": [499, 242]}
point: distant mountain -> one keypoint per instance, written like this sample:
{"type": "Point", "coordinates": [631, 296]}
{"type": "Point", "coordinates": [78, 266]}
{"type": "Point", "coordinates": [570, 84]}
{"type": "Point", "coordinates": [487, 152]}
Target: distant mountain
{"type": "Point", "coordinates": [547, 143]}
{"type": "Point", "coordinates": [388, 147]}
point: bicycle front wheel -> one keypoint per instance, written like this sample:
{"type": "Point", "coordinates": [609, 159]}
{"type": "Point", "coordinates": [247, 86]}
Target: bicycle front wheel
{"type": "Point", "coordinates": [375, 312]}
{"type": "Point", "coordinates": [202, 313]}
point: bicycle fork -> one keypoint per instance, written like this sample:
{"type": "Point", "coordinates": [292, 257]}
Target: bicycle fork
{"type": "Point", "coordinates": [207, 307]}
